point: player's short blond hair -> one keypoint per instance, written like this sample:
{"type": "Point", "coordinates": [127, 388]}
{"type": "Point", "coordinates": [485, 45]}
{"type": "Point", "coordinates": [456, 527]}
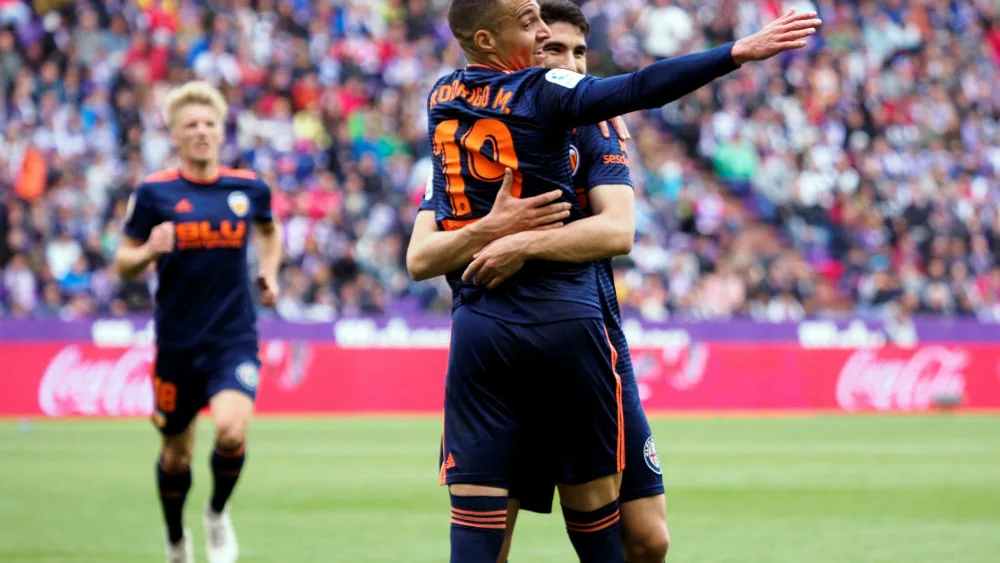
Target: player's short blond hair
{"type": "Point", "coordinates": [194, 92]}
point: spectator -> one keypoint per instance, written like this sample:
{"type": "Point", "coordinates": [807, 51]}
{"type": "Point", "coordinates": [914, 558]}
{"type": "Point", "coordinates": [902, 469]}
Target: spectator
{"type": "Point", "coordinates": [859, 176]}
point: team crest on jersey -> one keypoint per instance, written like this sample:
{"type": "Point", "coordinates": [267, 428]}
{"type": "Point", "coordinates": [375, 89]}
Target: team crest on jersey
{"type": "Point", "coordinates": [574, 160]}
{"type": "Point", "coordinates": [239, 203]}
{"type": "Point", "coordinates": [649, 454]}
{"type": "Point", "coordinates": [247, 374]}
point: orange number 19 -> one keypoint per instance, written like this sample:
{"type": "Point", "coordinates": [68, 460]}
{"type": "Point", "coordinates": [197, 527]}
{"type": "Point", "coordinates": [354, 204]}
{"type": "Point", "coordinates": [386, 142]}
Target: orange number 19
{"type": "Point", "coordinates": [483, 166]}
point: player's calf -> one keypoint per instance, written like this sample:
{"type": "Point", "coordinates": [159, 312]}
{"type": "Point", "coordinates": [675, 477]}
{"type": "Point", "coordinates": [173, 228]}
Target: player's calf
{"type": "Point", "coordinates": [644, 529]}
{"type": "Point", "coordinates": [593, 519]}
{"type": "Point", "coordinates": [231, 411]}
{"type": "Point", "coordinates": [478, 520]}
{"type": "Point", "coordinates": [173, 480]}
{"type": "Point", "coordinates": [513, 508]}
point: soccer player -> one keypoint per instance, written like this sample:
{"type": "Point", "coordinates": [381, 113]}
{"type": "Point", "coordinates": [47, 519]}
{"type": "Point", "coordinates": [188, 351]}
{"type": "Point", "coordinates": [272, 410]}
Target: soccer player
{"type": "Point", "coordinates": [531, 356]}
{"type": "Point", "coordinates": [601, 175]}
{"type": "Point", "coordinates": [194, 224]}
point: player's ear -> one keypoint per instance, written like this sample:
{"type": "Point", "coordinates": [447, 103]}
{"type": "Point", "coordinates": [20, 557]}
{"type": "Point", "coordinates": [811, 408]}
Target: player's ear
{"type": "Point", "coordinates": [173, 138]}
{"type": "Point", "coordinates": [484, 41]}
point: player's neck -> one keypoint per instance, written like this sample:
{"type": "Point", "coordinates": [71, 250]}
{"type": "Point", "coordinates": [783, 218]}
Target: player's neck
{"type": "Point", "coordinates": [490, 61]}
{"type": "Point", "coordinates": [200, 173]}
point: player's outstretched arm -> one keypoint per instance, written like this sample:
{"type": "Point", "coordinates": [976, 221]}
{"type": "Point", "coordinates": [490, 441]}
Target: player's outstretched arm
{"type": "Point", "coordinates": [433, 252]}
{"type": "Point", "coordinates": [134, 256]}
{"type": "Point", "coordinates": [609, 232]}
{"type": "Point", "coordinates": [569, 99]}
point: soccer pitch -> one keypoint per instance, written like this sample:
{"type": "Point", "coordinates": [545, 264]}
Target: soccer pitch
{"type": "Point", "coordinates": [354, 490]}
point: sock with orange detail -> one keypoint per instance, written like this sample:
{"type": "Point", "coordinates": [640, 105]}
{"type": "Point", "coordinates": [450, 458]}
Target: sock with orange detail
{"type": "Point", "coordinates": [227, 463]}
{"type": "Point", "coordinates": [174, 487]}
{"type": "Point", "coordinates": [477, 528]}
{"type": "Point", "coordinates": [596, 535]}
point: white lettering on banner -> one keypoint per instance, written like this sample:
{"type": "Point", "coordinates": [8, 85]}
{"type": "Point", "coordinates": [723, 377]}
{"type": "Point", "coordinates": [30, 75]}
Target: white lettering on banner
{"type": "Point", "coordinates": [112, 387]}
{"type": "Point", "coordinates": [826, 334]}
{"type": "Point", "coordinates": [365, 333]}
{"type": "Point", "coordinates": [867, 381]}
{"type": "Point", "coordinates": [116, 333]}
{"type": "Point", "coordinates": [641, 337]}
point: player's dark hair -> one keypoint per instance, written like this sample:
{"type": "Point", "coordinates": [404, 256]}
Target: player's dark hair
{"type": "Point", "coordinates": [564, 11]}
{"type": "Point", "coordinates": [466, 17]}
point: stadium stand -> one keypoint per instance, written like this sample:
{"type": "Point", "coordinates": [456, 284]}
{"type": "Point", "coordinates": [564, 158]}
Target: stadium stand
{"type": "Point", "coordinates": [860, 177]}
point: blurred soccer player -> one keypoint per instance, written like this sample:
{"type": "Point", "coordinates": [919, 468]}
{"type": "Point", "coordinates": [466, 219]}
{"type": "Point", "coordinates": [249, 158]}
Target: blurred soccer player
{"type": "Point", "coordinates": [194, 224]}
{"type": "Point", "coordinates": [531, 357]}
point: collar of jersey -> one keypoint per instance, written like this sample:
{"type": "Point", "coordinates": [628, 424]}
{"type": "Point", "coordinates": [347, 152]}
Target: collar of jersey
{"type": "Point", "coordinates": [488, 67]}
{"type": "Point", "coordinates": [202, 181]}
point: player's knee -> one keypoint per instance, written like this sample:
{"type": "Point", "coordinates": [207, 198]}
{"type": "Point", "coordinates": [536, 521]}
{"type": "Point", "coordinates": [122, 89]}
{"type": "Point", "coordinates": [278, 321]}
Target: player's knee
{"type": "Point", "coordinates": [175, 456]}
{"type": "Point", "coordinates": [230, 431]}
{"type": "Point", "coordinates": [649, 546]}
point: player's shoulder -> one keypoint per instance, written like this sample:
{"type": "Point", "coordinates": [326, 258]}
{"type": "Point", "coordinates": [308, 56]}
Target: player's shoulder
{"type": "Point", "coordinates": [161, 177]}
{"type": "Point", "coordinates": [241, 178]}
{"type": "Point", "coordinates": [157, 182]}
{"type": "Point", "coordinates": [239, 175]}
{"type": "Point", "coordinates": [446, 79]}
{"type": "Point", "coordinates": [558, 76]}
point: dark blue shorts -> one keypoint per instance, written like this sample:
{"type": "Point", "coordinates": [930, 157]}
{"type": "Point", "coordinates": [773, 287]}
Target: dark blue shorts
{"type": "Point", "coordinates": [642, 476]}
{"type": "Point", "coordinates": [185, 380]}
{"type": "Point", "coordinates": [551, 384]}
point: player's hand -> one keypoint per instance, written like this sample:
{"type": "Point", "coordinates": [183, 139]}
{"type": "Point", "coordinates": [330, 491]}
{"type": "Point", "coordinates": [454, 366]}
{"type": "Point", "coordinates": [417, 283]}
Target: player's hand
{"type": "Point", "coordinates": [786, 33]}
{"type": "Point", "coordinates": [161, 239]}
{"type": "Point", "coordinates": [513, 215]}
{"type": "Point", "coordinates": [496, 262]}
{"type": "Point", "coordinates": [619, 125]}
{"type": "Point", "coordinates": [268, 291]}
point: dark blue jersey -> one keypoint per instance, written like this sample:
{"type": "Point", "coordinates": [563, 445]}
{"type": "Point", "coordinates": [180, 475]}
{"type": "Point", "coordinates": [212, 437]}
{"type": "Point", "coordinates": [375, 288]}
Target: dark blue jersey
{"type": "Point", "coordinates": [597, 161]}
{"type": "Point", "coordinates": [204, 295]}
{"type": "Point", "coordinates": [482, 121]}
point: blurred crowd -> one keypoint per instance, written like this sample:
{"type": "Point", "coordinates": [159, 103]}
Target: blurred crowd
{"type": "Point", "coordinates": [859, 176]}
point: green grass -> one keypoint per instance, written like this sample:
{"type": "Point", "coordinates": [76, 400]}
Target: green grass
{"type": "Point", "coordinates": [809, 490]}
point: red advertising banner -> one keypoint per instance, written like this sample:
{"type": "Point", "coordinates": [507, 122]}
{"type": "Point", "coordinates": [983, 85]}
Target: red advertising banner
{"type": "Point", "coordinates": [55, 379]}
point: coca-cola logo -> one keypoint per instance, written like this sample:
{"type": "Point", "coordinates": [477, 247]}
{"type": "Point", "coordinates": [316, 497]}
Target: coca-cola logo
{"type": "Point", "coordinates": [680, 367]}
{"type": "Point", "coordinates": [120, 386]}
{"type": "Point", "coordinates": [868, 381]}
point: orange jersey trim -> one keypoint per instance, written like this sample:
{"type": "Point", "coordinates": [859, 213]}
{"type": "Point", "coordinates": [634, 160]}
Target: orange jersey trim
{"type": "Point", "coordinates": [618, 403]}
{"type": "Point", "coordinates": [223, 172]}
{"type": "Point", "coordinates": [455, 224]}
{"type": "Point", "coordinates": [477, 65]}
{"type": "Point", "coordinates": [163, 176]}
{"type": "Point", "coordinates": [238, 173]}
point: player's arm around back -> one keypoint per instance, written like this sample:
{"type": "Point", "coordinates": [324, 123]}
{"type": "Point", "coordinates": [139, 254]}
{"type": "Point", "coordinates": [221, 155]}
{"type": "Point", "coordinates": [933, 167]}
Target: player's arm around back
{"type": "Point", "coordinates": [608, 232]}
{"type": "Point", "coordinates": [433, 252]}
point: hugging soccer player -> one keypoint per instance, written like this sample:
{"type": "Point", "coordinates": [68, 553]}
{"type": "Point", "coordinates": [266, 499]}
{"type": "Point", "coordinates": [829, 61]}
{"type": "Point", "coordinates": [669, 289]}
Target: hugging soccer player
{"type": "Point", "coordinates": [530, 359]}
{"type": "Point", "coordinates": [194, 223]}
{"type": "Point", "coordinates": [601, 175]}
